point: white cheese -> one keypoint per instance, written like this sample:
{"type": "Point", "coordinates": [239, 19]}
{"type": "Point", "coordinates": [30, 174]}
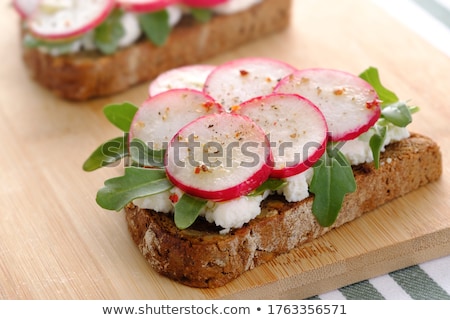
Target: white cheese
{"type": "Point", "coordinates": [227, 215]}
{"type": "Point", "coordinates": [234, 6]}
{"type": "Point", "coordinates": [358, 150]}
{"type": "Point", "coordinates": [132, 29]}
{"type": "Point", "coordinates": [175, 15]}
{"type": "Point", "coordinates": [395, 134]}
{"type": "Point", "coordinates": [297, 186]}
{"type": "Point", "coordinates": [159, 202]}
{"type": "Point", "coordinates": [87, 41]}
{"type": "Point", "coordinates": [234, 213]}
{"type": "Point", "coordinates": [75, 46]}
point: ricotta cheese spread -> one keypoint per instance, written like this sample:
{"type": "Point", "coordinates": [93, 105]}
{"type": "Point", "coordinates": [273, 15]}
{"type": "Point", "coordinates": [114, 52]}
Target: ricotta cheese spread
{"type": "Point", "coordinates": [358, 150]}
{"type": "Point", "coordinates": [233, 6]}
{"type": "Point", "coordinates": [235, 213]}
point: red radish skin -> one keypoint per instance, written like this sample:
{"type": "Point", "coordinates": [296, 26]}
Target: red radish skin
{"type": "Point", "coordinates": [350, 104]}
{"type": "Point", "coordinates": [146, 5]}
{"type": "Point", "coordinates": [297, 129]}
{"type": "Point", "coordinates": [161, 116]}
{"type": "Point", "coordinates": [242, 79]}
{"type": "Point", "coordinates": [190, 77]}
{"type": "Point", "coordinates": [63, 23]}
{"type": "Point", "coordinates": [233, 168]}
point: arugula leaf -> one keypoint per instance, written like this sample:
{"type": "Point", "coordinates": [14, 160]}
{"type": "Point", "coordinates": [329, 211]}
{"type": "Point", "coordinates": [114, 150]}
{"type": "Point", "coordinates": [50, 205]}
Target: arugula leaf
{"type": "Point", "coordinates": [108, 34]}
{"type": "Point", "coordinates": [333, 178]}
{"type": "Point", "coordinates": [143, 156]}
{"type": "Point", "coordinates": [61, 47]}
{"type": "Point", "coordinates": [136, 183]}
{"type": "Point", "coordinates": [201, 15]}
{"type": "Point", "coordinates": [121, 115]}
{"type": "Point", "coordinates": [398, 114]}
{"type": "Point", "coordinates": [115, 149]}
{"type": "Point", "coordinates": [108, 153]}
{"type": "Point", "coordinates": [376, 143]}
{"type": "Point", "coordinates": [269, 184]}
{"type": "Point", "coordinates": [156, 26]}
{"type": "Point", "coordinates": [393, 112]}
{"type": "Point", "coordinates": [187, 210]}
{"type": "Point", "coordinates": [371, 75]}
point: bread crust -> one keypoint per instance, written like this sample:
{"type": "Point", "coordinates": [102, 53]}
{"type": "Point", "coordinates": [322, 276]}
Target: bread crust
{"type": "Point", "coordinates": [202, 257]}
{"type": "Point", "coordinates": [88, 75]}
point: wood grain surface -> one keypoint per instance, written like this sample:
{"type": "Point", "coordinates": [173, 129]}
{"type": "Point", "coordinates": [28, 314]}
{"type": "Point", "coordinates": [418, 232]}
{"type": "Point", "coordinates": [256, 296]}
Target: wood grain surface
{"type": "Point", "coordinates": [56, 243]}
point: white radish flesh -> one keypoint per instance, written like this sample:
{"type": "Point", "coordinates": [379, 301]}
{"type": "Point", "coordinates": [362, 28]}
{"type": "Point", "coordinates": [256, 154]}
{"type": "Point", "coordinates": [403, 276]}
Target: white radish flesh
{"type": "Point", "coordinates": [161, 116]}
{"type": "Point", "coordinates": [296, 128]}
{"type": "Point", "coordinates": [243, 79]}
{"type": "Point", "coordinates": [219, 157]}
{"type": "Point", "coordinates": [190, 77]}
{"type": "Point", "coordinates": [58, 20]}
{"type": "Point", "coordinates": [25, 8]}
{"type": "Point", "coordinates": [350, 104]}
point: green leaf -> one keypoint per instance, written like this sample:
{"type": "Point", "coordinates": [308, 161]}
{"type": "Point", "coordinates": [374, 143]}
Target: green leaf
{"type": "Point", "coordinates": [413, 109]}
{"type": "Point", "coordinates": [187, 210]}
{"type": "Point", "coordinates": [121, 115]}
{"type": "Point", "coordinates": [269, 184]}
{"type": "Point", "coordinates": [61, 47]}
{"type": "Point", "coordinates": [376, 143]}
{"type": "Point", "coordinates": [108, 153]}
{"type": "Point", "coordinates": [30, 41]}
{"type": "Point", "coordinates": [136, 183]}
{"type": "Point", "coordinates": [156, 26]}
{"type": "Point", "coordinates": [332, 180]}
{"type": "Point", "coordinates": [372, 77]}
{"type": "Point", "coordinates": [143, 156]}
{"type": "Point", "coordinates": [108, 34]}
{"type": "Point", "coordinates": [398, 114]}
{"type": "Point", "coordinates": [201, 15]}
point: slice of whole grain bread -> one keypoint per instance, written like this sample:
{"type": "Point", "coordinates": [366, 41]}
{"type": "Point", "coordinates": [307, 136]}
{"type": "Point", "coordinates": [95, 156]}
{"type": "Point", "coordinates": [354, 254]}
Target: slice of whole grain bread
{"type": "Point", "coordinates": [202, 257]}
{"type": "Point", "coordinates": [87, 75]}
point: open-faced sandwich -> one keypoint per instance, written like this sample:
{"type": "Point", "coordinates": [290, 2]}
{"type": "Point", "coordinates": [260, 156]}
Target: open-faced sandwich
{"type": "Point", "coordinates": [86, 49]}
{"type": "Point", "coordinates": [230, 166]}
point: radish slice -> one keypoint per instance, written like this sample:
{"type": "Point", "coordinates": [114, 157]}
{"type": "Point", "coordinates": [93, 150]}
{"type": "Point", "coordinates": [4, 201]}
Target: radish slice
{"type": "Point", "coordinates": [56, 20]}
{"type": "Point", "coordinates": [190, 77]}
{"type": "Point", "coordinates": [243, 79]}
{"type": "Point", "coordinates": [145, 5]}
{"type": "Point", "coordinates": [161, 116]}
{"type": "Point", "coordinates": [219, 157]}
{"type": "Point", "coordinates": [350, 104]}
{"type": "Point", "coordinates": [202, 3]}
{"type": "Point", "coordinates": [296, 128]}
{"type": "Point", "coordinates": [25, 8]}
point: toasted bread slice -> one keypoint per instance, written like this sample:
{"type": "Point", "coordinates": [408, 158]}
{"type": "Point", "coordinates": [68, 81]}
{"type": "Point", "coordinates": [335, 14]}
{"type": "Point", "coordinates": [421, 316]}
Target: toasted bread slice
{"type": "Point", "coordinates": [87, 75]}
{"type": "Point", "coordinates": [202, 257]}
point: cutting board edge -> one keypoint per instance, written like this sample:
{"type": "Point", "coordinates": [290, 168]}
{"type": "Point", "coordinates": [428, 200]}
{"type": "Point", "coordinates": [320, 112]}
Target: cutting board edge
{"type": "Point", "coordinates": [352, 270]}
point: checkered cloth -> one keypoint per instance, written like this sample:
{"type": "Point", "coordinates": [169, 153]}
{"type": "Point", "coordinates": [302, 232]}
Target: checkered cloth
{"type": "Point", "coordinates": [426, 281]}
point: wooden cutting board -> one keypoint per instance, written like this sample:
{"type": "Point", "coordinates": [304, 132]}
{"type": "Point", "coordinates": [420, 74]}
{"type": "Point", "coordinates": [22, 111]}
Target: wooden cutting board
{"type": "Point", "coordinates": [56, 243]}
